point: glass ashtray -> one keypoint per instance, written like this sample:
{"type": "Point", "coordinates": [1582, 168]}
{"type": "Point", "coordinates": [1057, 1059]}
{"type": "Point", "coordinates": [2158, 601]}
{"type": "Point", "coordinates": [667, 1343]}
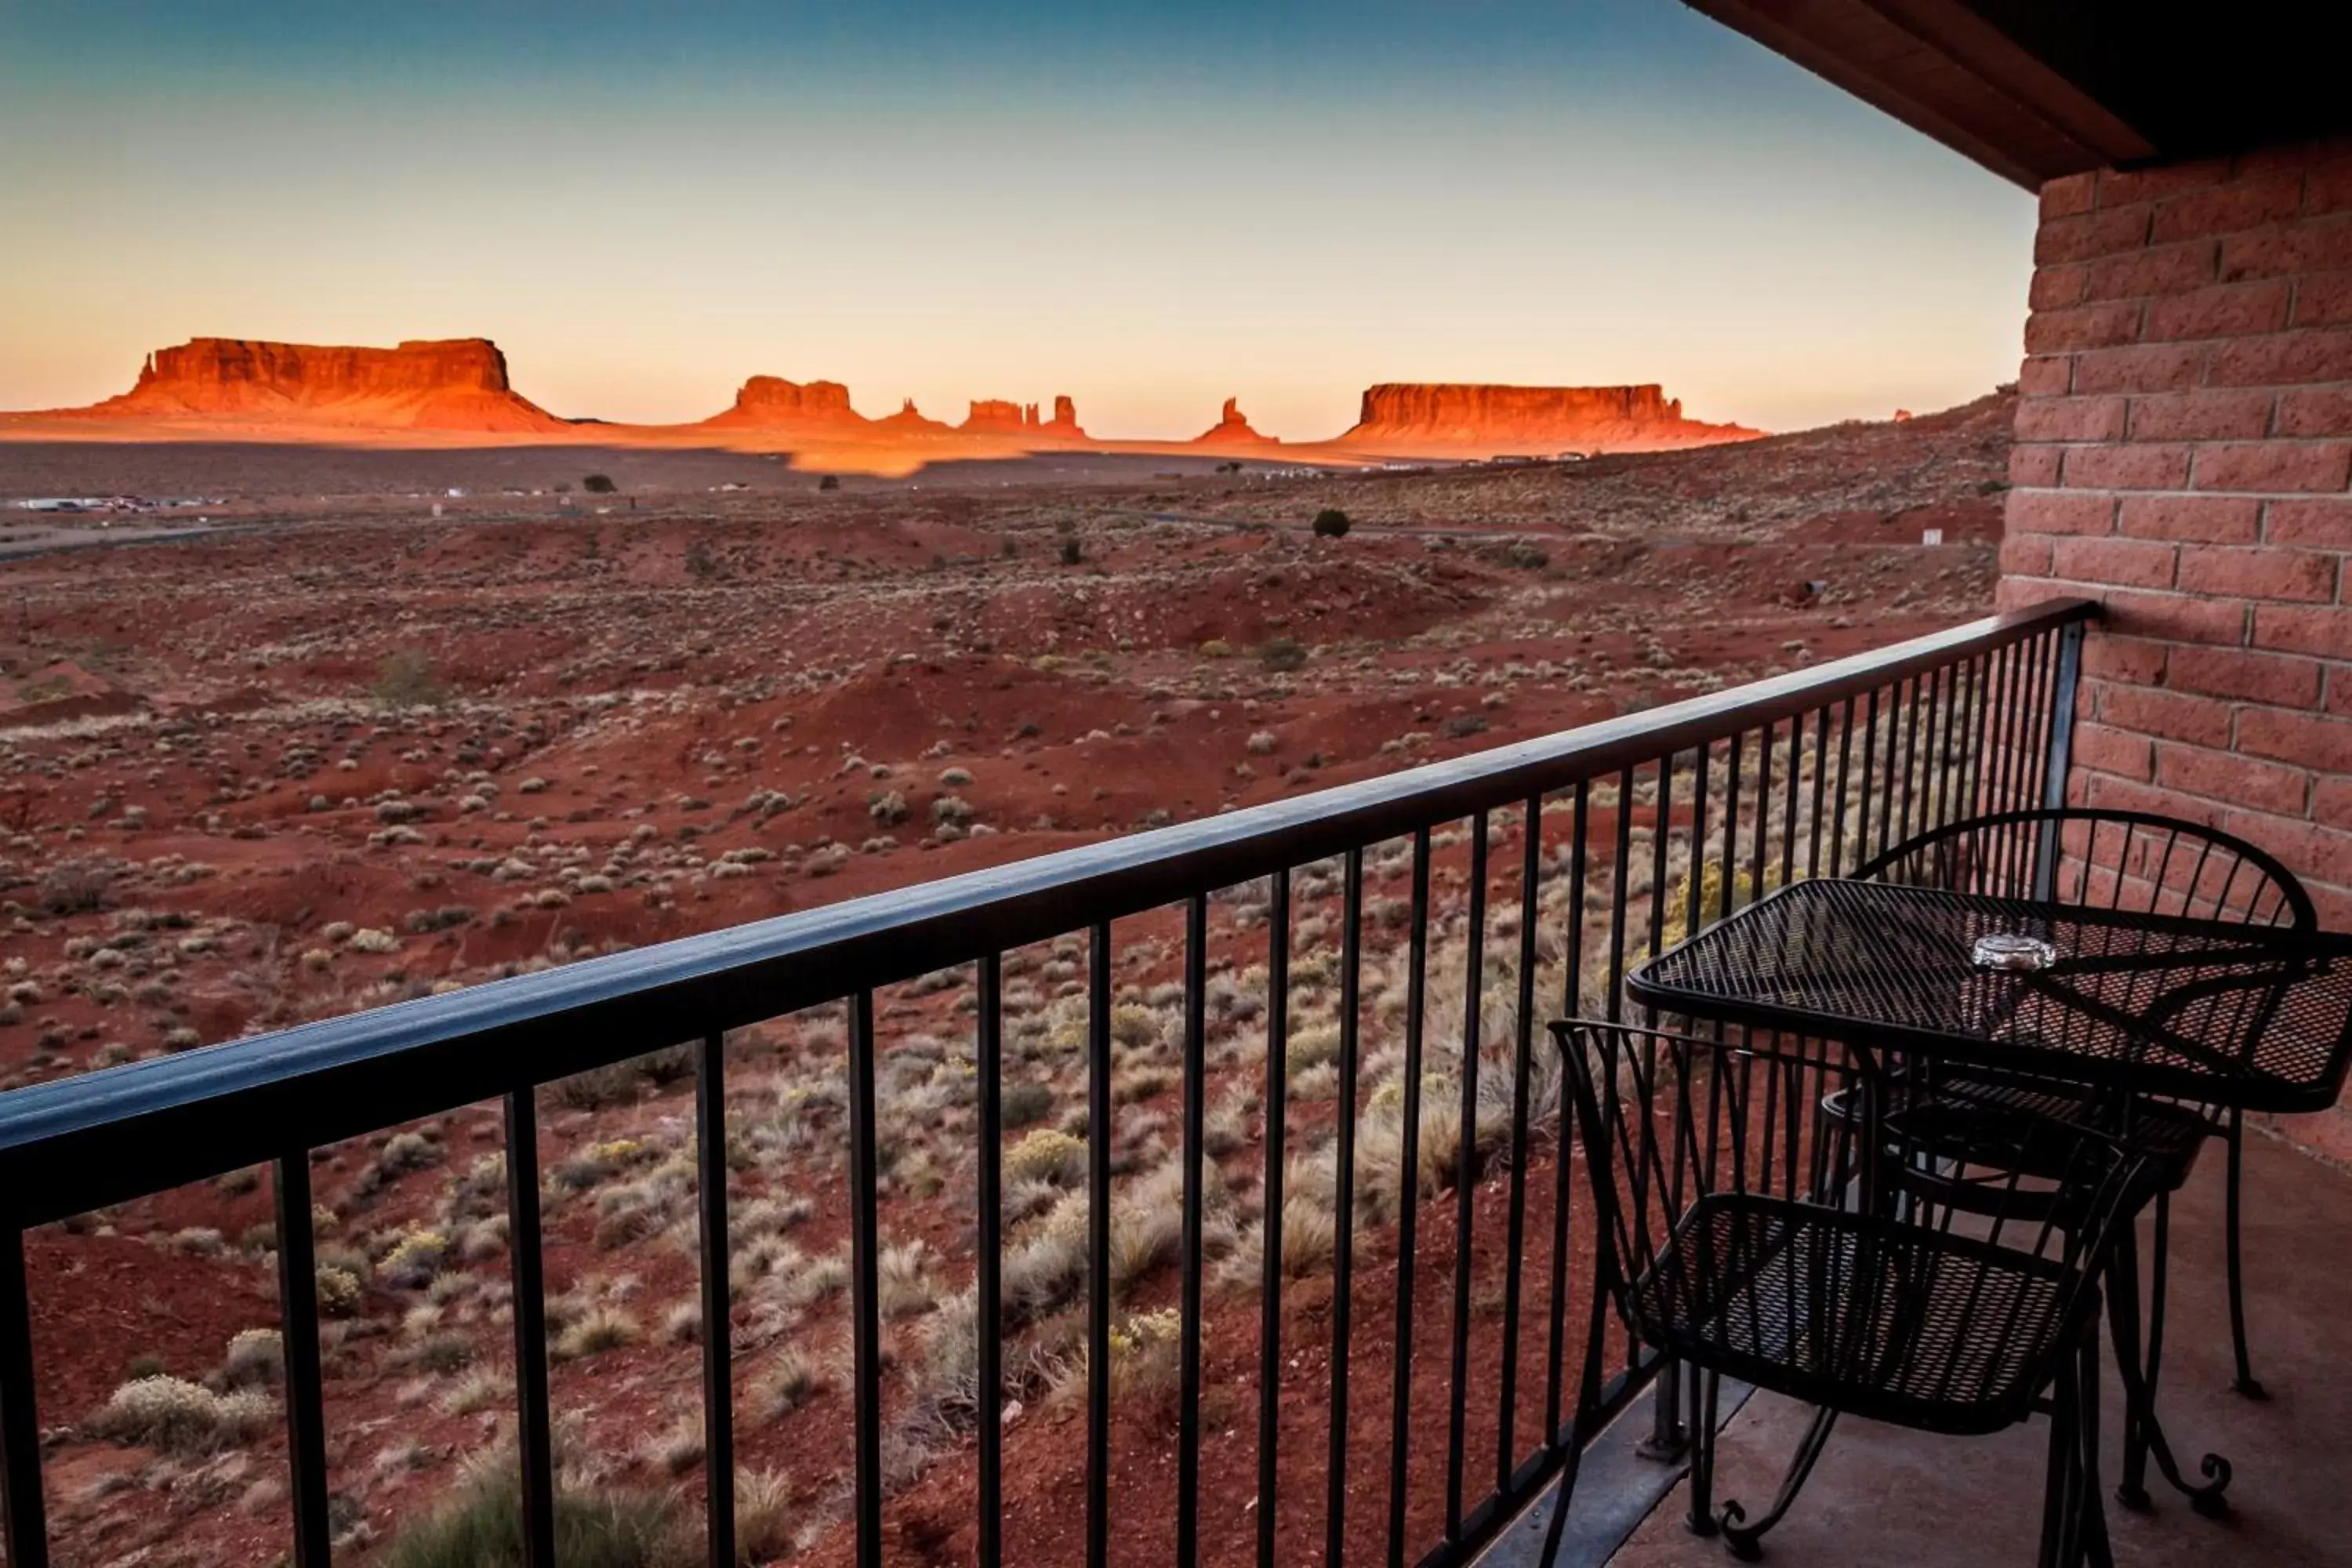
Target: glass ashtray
{"type": "Point", "coordinates": [2008, 950]}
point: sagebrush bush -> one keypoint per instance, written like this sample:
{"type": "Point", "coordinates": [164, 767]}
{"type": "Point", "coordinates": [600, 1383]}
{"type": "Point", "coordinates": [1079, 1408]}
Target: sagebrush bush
{"type": "Point", "coordinates": [255, 1355]}
{"type": "Point", "coordinates": [1046, 1154]}
{"type": "Point", "coordinates": [177, 1416]}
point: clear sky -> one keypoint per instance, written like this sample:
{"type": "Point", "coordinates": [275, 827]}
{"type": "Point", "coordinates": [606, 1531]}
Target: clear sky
{"type": "Point", "coordinates": [1150, 206]}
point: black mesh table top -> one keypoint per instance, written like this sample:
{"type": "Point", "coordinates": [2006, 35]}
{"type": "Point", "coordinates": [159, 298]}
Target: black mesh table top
{"type": "Point", "coordinates": [2228, 1015]}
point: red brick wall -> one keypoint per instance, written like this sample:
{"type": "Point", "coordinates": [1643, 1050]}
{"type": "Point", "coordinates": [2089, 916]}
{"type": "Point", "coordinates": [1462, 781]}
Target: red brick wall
{"type": "Point", "coordinates": [2184, 452]}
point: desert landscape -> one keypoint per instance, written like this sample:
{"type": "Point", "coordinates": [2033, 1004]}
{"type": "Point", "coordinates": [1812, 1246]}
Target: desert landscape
{"type": "Point", "coordinates": [368, 718]}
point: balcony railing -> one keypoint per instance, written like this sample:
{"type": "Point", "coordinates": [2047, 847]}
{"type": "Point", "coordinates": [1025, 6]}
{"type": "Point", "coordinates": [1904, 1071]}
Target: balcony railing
{"type": "Point", "coordinates": [1626, 833]}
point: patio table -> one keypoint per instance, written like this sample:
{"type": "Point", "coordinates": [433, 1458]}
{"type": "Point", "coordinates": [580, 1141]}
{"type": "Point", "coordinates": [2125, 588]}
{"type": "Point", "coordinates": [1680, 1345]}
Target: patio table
{"type": "Point", "coordinates": [2221, 1014]}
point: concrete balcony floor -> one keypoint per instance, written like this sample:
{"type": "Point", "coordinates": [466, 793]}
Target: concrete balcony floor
{"type": "Point", "coordinates": [1882, 1496]}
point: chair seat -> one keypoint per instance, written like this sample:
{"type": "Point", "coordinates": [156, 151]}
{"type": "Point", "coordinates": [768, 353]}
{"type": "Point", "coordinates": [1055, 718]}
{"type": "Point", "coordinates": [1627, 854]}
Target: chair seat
{"type": "Point", "coordinates": [2162, 1133]}
{"type": "Point", "coordinates": [1889, 1320]}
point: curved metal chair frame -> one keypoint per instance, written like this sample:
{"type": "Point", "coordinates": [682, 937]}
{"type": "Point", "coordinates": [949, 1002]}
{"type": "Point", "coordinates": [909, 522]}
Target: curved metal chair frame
{"type": "Point", "coordinates": [1742, 1233]}
{"type": "Point", "coordinates": [2145, 863]}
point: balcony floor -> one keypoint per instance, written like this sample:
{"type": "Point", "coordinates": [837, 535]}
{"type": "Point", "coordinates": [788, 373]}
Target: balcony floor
{"type": "Point", "coordinates": [1881, 1495]}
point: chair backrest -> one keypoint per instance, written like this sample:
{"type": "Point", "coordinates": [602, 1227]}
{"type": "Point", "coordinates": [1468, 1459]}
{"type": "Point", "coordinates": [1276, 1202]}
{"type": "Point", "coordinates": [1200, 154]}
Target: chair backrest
{"type": "Point", "coordinates": [1712, 1167]}
{"type": "Point", "coordinates": [2128, 860]}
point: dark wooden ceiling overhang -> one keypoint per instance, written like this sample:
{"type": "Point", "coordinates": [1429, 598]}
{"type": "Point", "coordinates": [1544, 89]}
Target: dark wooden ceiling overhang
{"type": "Point", "coordinates": [2034, 90]}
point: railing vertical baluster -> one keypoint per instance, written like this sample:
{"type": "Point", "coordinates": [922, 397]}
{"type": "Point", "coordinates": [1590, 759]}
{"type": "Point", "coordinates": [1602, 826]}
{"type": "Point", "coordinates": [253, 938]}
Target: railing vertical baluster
{"type": "Point", "coordinates": [1465, 1171]}
{"type": "Point", "coordinates": [1729, 859]}
{"type": "Point", "coordinates": [1911, 707]}
{"type": "Point", "coordinates": [1820, 793]}
{"type": "Point", "coordinates": [1343, 1241]}
{"type": "Point", "coordinates": [2028, 724]}
{"type": "Point", "coordinates": [1571, 1006]}
{"type": "Point", "coordinates": [1523, 1069]}
{"type": "Point", "coordinates": [2058, 758]}
{"type": "Point", "coordinates": [1668, 1437]}
{"type": "Point", "coordinates": [864, 1282]}
{"type": "Point", "coordinates": [988, 1063]}
{"type": "Point", "coordinates": [1695, 894]}
{"type": "Point", "coordinates": [1194, 1140]}
{"type": "Point", "coordinates": [20, 1426]}
{"type": "Point", "coordinates": [1756, 861]}
{"type": "Point", "coordinates": [526, 1268]}
{"type": "Point", "coordinates": [1277, 1116]}
{"type": "Point", "coordinates": [718, 1329]}
{"type": "Point", "coordinates": [2001, 724]}
{"type": "Point", "coordinates": [1790, 807]}
{"type": "Point", "coordinates": [1618, 895]}
{"type": "Point", "coordinates": [306, 1398]}
{"type": "Point", "coordinates": [1409, 1198]}
{"type": "Point", "coordinates": [1862, 848]}
{"type": "Point", "coordinates": [1099, 1139]}
{"type": "Point", "coordinates": [1838, 795]}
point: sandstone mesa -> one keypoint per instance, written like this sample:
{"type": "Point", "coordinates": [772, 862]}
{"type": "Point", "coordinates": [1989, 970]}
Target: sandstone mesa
{"type": "Point", "coordinates": [458, 387]}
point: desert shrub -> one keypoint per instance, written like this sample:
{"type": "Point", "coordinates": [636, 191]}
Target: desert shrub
{"type": "Point", "coordinates": [1025, 1103]}
{"type": "Point", "coordinates": [177, 1416]}
{"type": "Point", "coordinates": [887, 808]}
{"type": "Point", "coordinates": [406, 680]}
{"type": "Point", "coordinates": [339, 1290]}
{"type": "Point", "coordinates": [255, 1355]}
{"type": "Point", "coordinates": [599, 485]}
{"type": "Point", "coordinates": [480, 1524]}
{"type": "Point", "coordinates": [1073, 551]}
{"type": "Point", "coordinates": [1144, 1357]}
{"type": "Point", "coordinates": [1331, 523]}
{"type": "Point", "coordinates": [415, 1259]}
{"type": "Point", "coordinates": [830, 482]}
{"type": "Point", "coordinates": [1046, 1154]}
{"type": "Point", "coordinates": [1281, 655]}
{"type": "Point", "coordinates": [76, 887]}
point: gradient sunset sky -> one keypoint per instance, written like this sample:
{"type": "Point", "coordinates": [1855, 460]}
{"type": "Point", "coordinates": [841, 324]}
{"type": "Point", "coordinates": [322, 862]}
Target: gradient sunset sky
{"type": "Point", "coordinates": [1148, 206]}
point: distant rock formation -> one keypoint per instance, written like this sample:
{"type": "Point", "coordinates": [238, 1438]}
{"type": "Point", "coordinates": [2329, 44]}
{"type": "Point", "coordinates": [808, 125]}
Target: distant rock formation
{"type": "Point", "coordinates": [1460, 417]}
{"type": "Point", "coordinates": [1065, 418]}
{"type": "Point", "coordinates": [1231, 429]}
{"type": "Point", "coordinates": [456, 384]}
{"type": "Point", "coordinates": [911, 421]}
{"type": "Point", "coordinates": [995, 415]}
{"type": "Point", "coordinates": [769, 401]}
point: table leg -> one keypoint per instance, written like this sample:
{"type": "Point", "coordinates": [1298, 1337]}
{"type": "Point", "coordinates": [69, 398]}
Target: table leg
{"type": "Point", "coordinates": [2143, 1431]}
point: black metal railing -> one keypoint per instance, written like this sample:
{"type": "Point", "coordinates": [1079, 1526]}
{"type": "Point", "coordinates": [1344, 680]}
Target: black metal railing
{"type": "Point", "coordinates": [1626, 832]}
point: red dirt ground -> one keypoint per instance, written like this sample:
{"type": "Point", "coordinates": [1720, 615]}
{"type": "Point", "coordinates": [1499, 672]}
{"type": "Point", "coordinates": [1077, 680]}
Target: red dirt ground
{"type": "Point", "coordinates": [533, 729]}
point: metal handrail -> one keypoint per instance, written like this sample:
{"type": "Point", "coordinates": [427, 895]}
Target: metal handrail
{"type": "Point", "coordinates": [77, 1143]}
{"type": "Point", "coordinates": [1986, 701]}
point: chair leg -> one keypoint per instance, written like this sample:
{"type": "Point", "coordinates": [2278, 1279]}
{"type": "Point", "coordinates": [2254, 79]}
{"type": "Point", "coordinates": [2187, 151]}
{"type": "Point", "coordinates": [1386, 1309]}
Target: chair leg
{"type": "Point", "coordinates": [1703, 1390]}
{"type": "Point", "coordinates": [2131, 1486]}
{"type": "Point", "coordinates": [1746, 1541]}
{"type": "Point", "coordinates": [2248, 1384]}
{"type": "Point", "coordinates": [2091, 1501]}
{"type": "Point", "coordinates": [2061, 1480]}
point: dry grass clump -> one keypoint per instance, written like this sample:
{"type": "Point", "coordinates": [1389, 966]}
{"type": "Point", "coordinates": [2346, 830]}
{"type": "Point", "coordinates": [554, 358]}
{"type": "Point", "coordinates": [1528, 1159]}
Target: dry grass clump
{"type": "Point", "coordinates": [903, 1280]}
{"type": "Point", "coordinates": [764, 1517]}
{"type": "Point", "coordinates": [479, 1525]}
{"type": "Point", "coordinates": [177, 1416]}
{"type": "Point", "coordinates": [596, 1330]}
{"type": "Point", "coordinates": [790, 1380]}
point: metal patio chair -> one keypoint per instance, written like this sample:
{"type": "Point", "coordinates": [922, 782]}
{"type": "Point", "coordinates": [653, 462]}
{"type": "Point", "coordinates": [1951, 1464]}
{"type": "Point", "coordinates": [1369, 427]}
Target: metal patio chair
{"type": "Point", "coordinates": [2147, 863]}
{"type": "Point", "coordinates": [1744, 1234]}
